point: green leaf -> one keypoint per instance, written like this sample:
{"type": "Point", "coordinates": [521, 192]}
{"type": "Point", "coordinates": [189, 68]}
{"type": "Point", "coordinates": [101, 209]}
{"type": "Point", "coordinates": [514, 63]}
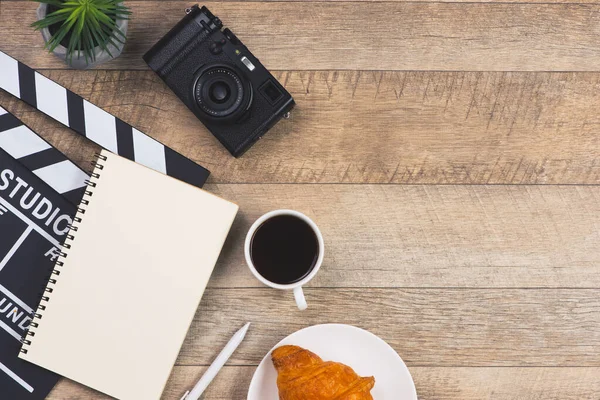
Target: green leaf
{"type": "Point", "coordinates": [105, 19]}
{"type": "Point", "coordinates": [61, 12]}
{"type": "Point", "coordinates": [80, 23]}
{"type": "Point", "coordinates": [45, 23]}
{"type": "Point", "coordinates": [102, 40]}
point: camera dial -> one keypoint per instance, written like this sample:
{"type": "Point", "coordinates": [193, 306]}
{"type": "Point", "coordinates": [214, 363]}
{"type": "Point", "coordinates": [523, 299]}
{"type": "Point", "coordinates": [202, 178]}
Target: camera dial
{"type": "Point", "coordinates": [219, 91]}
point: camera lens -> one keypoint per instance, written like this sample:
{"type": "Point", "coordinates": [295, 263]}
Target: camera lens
{"type": "Point", "coordinates": [219, 91]}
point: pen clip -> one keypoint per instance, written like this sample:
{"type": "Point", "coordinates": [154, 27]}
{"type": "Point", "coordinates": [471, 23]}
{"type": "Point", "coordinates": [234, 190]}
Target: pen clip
{"type": "Point", "coordinates": [185, 395]}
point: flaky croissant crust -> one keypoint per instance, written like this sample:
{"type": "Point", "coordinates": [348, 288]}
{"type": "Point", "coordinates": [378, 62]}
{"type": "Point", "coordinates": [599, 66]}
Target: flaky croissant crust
{"type": "Point", "coordinates": [302, 375]}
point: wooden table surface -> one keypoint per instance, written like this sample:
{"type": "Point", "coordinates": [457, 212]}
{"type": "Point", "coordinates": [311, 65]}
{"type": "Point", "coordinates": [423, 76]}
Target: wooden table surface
{"type": "Point", "coordinates": [449, 151]}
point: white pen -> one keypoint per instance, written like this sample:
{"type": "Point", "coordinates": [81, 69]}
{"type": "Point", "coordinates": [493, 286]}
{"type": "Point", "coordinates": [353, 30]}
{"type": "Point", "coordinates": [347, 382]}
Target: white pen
{"type": "Point", "coordinates": [216, 366]}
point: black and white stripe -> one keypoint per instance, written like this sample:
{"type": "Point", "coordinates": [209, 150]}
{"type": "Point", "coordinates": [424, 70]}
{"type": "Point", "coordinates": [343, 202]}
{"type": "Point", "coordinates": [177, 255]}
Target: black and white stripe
{"type": "Point", "coordinates": [94, 123]}
{"type": "Point", "coordinates": [37, 155]}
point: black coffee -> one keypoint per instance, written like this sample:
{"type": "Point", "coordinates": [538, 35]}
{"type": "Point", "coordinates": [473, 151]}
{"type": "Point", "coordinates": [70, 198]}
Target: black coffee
{"type": "Point", "coordinates": [284, 249]}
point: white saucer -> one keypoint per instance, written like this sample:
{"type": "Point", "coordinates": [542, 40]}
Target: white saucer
{"type": "Point", "coordinates": [367, 354]}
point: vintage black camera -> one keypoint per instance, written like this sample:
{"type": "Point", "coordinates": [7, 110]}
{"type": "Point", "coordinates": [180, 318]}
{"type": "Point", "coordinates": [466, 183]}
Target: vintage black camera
{"type": "Point", "coordinates": [218, 78]}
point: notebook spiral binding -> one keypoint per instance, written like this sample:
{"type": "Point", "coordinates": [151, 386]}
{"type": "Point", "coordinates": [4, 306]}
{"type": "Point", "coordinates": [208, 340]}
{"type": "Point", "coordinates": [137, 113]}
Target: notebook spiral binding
{"type": "Point", "coordinates": [52, 279]}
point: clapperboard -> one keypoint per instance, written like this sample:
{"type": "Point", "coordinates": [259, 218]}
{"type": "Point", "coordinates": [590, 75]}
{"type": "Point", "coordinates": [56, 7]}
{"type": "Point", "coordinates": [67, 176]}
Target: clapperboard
{"type": "Point", "coordinates": [34, 220]}
{"type": "Point", "coordinates": [41, 158]}
{"type": "Point", "coordinates": [91, 121]}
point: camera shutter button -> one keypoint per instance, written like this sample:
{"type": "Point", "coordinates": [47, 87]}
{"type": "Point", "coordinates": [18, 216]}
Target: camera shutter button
{"type": "Point", "coordinates": [215, 48]}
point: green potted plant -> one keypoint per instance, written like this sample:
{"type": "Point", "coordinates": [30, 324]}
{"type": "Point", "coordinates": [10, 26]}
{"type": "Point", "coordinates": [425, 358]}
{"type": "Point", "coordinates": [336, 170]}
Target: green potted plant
{"type": "Point", "coordinates": [83, 33]}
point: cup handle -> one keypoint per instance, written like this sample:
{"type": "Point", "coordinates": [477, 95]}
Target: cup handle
{"type": "Point", "coordinates": [300, 300]}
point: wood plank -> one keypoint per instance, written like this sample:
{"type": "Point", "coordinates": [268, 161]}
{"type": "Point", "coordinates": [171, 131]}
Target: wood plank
{"type": "Point", "coordinates": [373, 127]}
{"type": "Point", "coordinates": [432, 236]}
{"type": "Point", "coordinates": [366, 36]}
{"type": "Point", "coordinates": [506, 383]}
{"type": "Point", "coordinates": [432, 383]}
{"type": "Point", "coordinates": [427, 327]}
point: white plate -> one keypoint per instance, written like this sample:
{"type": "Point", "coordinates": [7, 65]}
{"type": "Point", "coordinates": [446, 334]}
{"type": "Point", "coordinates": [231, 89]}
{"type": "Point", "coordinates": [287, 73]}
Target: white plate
{"type": "Point", "coordinates": [367, 354]}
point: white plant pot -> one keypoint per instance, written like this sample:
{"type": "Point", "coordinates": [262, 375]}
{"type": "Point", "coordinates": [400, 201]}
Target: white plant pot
{"type": "Point", "coordinates": [80, 62]}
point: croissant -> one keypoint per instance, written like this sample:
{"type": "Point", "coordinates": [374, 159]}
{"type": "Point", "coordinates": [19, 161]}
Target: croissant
{"type": "Point", "coordinates": [303, 375]}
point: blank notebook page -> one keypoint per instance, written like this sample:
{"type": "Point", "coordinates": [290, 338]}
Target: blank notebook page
{"type": "Point", "coordinates": [131, 281]}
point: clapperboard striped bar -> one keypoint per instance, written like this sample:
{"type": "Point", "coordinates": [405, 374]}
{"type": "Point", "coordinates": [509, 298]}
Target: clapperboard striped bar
{"type": "Point", "coordinates": [94, 123]}
{"type": "Point", "coordinates": [37, 155]}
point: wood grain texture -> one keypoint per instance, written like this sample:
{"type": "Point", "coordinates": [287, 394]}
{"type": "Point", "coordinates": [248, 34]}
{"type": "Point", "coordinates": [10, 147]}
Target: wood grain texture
{"type": "Point", "coordinates": [488, 291]}
{"type": "Point", "coordinates": [432, 236]}
{"type": "Point", "coordinates": [427, 327]}
{"type": "Point", "coordinates": [373, 127]}
{"type": "Point", "coordinates": [365, 36]}
{"type": "Point", "coordinates": [432, 384]}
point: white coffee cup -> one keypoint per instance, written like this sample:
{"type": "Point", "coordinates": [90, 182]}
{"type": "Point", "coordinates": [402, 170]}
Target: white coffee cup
{"type": "Point", "coordinates": [296, 287]}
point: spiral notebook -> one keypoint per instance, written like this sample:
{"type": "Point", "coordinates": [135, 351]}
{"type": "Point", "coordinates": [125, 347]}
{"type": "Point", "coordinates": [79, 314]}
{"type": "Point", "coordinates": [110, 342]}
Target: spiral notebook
{"type": "Point", "coordinates": [129, 281]}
